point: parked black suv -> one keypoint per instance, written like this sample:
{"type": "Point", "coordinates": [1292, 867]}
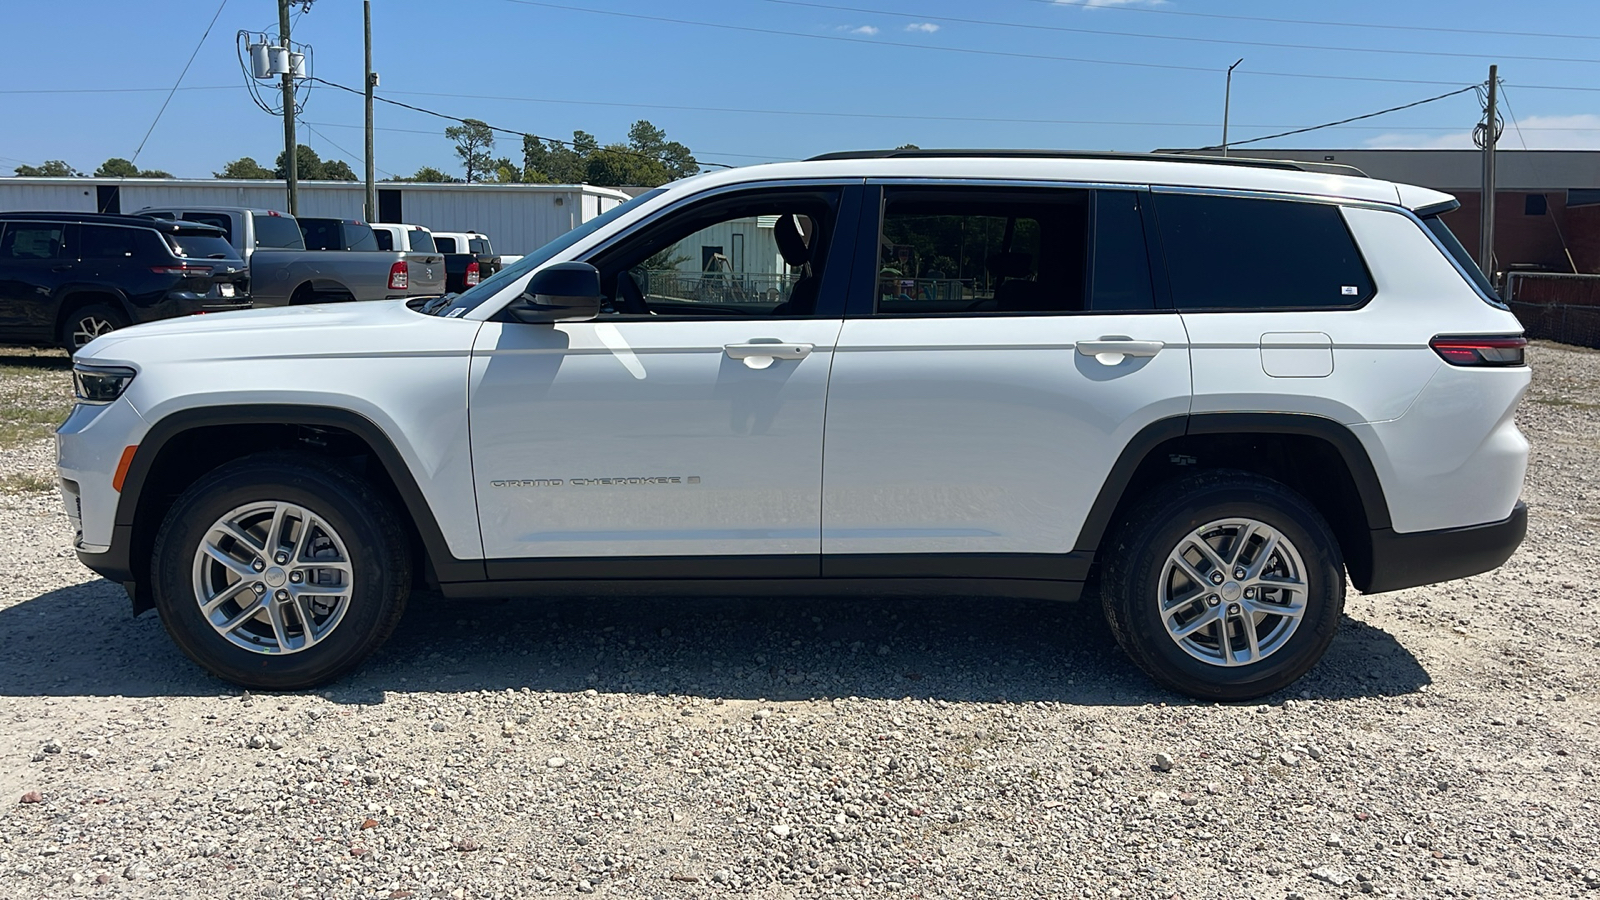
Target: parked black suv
{"type": "Point", "coordinates": [67, 278]}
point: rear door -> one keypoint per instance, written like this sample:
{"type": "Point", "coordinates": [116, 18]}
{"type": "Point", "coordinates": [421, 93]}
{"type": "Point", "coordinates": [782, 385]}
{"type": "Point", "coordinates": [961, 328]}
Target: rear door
{"type": "Point", "coordinates": [35, 260]}
{"type": "Point", "coordinates": [1004, 346]}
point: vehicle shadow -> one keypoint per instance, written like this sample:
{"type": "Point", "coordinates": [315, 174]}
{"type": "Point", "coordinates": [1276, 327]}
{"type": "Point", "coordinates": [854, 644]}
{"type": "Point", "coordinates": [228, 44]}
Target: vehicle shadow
{"type": "Point", "coordinates": [79, 641]}
{"type": "Point", "coordinates": [41, 359]}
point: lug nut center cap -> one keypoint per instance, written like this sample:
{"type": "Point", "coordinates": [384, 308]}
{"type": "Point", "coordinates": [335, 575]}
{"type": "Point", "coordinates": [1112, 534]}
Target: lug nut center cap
{"type": "Point", "coordinates": [1232, 591]}
{"type": "Point", "coordinates": [276, 577]}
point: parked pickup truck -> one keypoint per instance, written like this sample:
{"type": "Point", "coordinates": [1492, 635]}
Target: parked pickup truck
{"type": "Point", "coordinates": [284, 273]}
{"type": "Point", "coordinates": [468, 258]}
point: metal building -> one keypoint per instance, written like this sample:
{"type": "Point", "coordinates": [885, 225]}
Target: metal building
{"type": "Point", "coordinates": [518, 218]}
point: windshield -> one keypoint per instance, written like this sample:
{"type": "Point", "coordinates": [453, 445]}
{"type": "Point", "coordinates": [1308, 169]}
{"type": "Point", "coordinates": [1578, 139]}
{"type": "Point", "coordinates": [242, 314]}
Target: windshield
{"type": "Point", "coordinates": [459, 304]}
{"type": "Point", "coordinates": [421, 241]}
{"type": "Point", "coordinates": [278, 231]}
{"type": "Point", "coordinates": [1452, 245]}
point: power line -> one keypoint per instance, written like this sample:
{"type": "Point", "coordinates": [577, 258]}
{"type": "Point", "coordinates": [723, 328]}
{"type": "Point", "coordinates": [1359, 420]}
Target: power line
{"type": "Point", "coordinates": [149, 90]}
{"type": "Point", "coordinates": [435, 133]}
{"type": "Point", "coordinates": [1560, 234]}
{"type": "Point", "coordinates": [873, 115]}
{"type": "Point", "coordinates": [341, 149]}
{"type": "Point", "coordinates": [1181, 38]}
{"type": "Point", "coordinates": [152, 128]}
{"type": "Point", "coordinates": [1370, 115]}
{"type": "Point", "coordinates": [750, 29]}
{"type": "Point", "coordinates": [496, 127]}
{"type": "Point", "coordinates": [1425, 28]}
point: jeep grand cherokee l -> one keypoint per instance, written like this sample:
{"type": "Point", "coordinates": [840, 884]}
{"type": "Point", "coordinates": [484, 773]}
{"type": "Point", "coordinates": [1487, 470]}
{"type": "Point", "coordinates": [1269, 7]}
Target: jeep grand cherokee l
{"type": "Point", "coordinates": [1218, 388]}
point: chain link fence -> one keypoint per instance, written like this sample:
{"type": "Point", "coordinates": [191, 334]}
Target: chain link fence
{"type": "Point", "coordinates": [1564, 308]}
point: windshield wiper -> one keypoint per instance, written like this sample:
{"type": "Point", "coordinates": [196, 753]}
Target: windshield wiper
{"type": "Point", "coordinates": [436, 303]}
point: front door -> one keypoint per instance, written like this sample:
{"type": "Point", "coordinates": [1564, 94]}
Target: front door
{"type": "Point", "coordinates": [1011, 347]}
{"type": "Point", "coordinates": [35, 260]}
{"type": "Point", "coordinates": [687, 419]}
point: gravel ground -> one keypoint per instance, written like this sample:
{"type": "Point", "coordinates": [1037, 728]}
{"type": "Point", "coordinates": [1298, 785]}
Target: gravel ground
{"type": "Point", "coordinates": [919, 748]}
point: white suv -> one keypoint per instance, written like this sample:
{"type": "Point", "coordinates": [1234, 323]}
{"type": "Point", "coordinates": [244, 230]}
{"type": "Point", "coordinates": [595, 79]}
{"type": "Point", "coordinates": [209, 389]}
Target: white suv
{"type": "Point", "coordinates": [1211, 387]}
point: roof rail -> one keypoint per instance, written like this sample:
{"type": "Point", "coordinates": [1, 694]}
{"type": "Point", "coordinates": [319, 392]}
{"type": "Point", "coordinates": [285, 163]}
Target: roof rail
{"type": "Point", "coordinates": [1293, 165]}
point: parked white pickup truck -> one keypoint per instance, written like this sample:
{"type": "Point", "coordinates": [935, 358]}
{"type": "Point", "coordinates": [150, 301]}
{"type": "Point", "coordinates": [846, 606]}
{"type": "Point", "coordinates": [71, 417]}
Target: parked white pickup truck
{"type": "Point", "coordinates": [284, 273]}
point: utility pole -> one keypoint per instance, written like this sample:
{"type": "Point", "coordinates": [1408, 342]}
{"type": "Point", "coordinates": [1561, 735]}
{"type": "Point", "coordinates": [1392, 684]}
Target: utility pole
{"type": "Point", "coordinates": [292, 162]}
{"type": "Point", "coordinates": [372, 81]}
{"type": "Point", "coordinates": [1486, 207]}
{"type": "Point", "coordinates": [1227, 101]}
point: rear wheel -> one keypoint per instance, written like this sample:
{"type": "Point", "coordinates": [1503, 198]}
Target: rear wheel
{"type": "Point", "coordinates": [1224, 585]}
{"type": "Point", "coordinates": [280, 571]}
{"type": "Point", "coordinates": [86, 323]}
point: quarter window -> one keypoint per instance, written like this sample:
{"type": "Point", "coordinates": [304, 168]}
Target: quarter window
{"type": "Point", "coordinates": [1248, 253]}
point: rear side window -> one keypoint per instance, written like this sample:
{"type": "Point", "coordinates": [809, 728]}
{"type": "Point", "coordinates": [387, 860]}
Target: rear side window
{"type": "Point", "coordinates": [107, 242]}
{"type": "Point", "coordinates": [1246, 253]}
{"type": "Point", "coordinates": [1452, 245]}
{"type": "Point", "coordinates": [1120, 275]}
{"type": "Point", "coordinates": [359, 237]}
{"type": "Point", "coordinates": [421, 241]}
{"type": "Point", "coordinates": [320, 234]}
{"type": "Point", "coordinates": [32, 240]}
{"type": "Point", "coordinates": [444, 244]}
{"type": "Point", "coordinates": [279, 232]}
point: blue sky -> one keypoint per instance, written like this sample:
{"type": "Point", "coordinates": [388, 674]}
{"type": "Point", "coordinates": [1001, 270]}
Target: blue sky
{"type": "Point", "coordinates": [789, 80]}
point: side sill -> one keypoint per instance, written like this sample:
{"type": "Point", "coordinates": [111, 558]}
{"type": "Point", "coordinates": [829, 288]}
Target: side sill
{"type": "Point", "coordinates": [1020, 588]}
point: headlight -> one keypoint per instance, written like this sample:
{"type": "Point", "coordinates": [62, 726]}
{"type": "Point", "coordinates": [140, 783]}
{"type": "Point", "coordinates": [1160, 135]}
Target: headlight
{"type": "Point", "coordinates": [100, 385]}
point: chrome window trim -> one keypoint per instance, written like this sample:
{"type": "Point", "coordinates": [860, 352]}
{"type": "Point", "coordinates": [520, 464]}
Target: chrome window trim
{"type": "Point", "coordinates": [893, 181]}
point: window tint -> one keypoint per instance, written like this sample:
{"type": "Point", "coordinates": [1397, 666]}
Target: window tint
{"type": "Point", "coordinates": [444, 244]}
{"type": "Point", "coordinates": [1452, 245]}
{"type": "Point", "coordinates": [1244, 253]}
{"type": "Point", "coordinates": [190, 245]}
{"type": "Point", "coordinates": [359, 237]}
{"type": "Point", "coordinates": [321, 234]}
{"type": "Point", "coordinates": [278, 231]}
{"type": "Point", "coordinates": [32, 240]}
{"type": "Point", "coordinates": [218, 219]}
{"type": "Point", "coordinates": [475, 245]}
{"type": "Point", "coordinates": [680, 266]}
{"type": "Point", "coordinates": [1120, 276]}
{"type": "Point", "coordinates": [107, 242]}
{"type": "Point", "coordinates": [959, 250]}
{"type": "Point", "coordinates": [420, 241]}
{"type": "Point", "coordinates": [384, 238]}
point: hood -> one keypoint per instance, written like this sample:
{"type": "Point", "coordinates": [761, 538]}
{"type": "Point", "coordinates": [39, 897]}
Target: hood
{"type": "Point", "coordinates": [381, 327]}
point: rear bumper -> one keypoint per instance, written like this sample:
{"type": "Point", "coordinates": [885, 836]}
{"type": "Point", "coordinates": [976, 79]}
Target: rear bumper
{"type": "Point", "coordinates": [1427, 557]}
{"type": "Point", "coordinates": [187, 305]}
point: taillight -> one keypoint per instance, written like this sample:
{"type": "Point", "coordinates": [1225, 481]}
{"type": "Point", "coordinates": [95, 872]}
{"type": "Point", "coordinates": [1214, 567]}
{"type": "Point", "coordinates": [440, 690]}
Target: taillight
{"type": "Point", "coordinates": [1499, 350]}
{"type": "Point", "coordinates": [398, 277]}
{"type": "Point", "coordinates": [472, 273]}
{"type": "Point", "coordinates": [186, 271]}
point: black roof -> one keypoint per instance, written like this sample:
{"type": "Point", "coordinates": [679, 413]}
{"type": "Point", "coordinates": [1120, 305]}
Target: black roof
{"type": "Point", "coordinates": [166, 225]}
{"type": "Point", "coordinates": [1294, 165]}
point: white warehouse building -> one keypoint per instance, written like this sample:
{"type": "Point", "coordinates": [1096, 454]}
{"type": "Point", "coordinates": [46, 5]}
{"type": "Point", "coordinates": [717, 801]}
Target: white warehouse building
{"type": "Point", "coordinates": [518, 218]}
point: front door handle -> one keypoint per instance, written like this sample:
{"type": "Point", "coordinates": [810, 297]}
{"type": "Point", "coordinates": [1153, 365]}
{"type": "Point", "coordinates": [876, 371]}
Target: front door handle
{"type": "Point", "coordinates": [1113, 349]}
{"type": "Point", "coordinates": [760, 353]}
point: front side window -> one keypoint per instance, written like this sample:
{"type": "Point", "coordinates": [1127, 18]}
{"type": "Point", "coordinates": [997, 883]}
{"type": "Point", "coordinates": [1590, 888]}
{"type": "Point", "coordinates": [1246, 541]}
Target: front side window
{"type": "Point", "coordinates": [445, 244]}
{"type": "Point", "coordinates": [1244, 253]}
{"type": "Point", "coordinates": [384, 238]}
{"type": "Point", "coordinates": [681, 266]}
{"type": "Point", "coordinates": [32, 240]}
{"type": "Point", "coordinates": [321, 234]}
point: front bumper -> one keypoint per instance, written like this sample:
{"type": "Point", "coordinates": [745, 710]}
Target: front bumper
{"type": "Point", "coordinates": [1428, 557]}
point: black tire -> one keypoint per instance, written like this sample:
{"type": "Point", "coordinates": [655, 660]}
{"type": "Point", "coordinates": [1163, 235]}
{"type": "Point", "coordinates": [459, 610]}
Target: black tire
{"type": "Point", "coordinates": [303, 295]}
{"type": "Point", "coordinates": [361, 516]}
{"type": "Point", "coordinates": [88, 322]}
{"type": "Point", "coordinates": [1137, 554]}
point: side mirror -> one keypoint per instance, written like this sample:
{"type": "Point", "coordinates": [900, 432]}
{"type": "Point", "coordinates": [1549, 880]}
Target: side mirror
{"type": "Point", "coordinates": [564, 292]}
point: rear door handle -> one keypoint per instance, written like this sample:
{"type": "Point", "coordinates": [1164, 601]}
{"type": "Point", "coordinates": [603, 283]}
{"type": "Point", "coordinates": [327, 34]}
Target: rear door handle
{"type": "Point", "coordinates": [760, 353]}
{"type": "Point", "coordinates": [1113, 349]}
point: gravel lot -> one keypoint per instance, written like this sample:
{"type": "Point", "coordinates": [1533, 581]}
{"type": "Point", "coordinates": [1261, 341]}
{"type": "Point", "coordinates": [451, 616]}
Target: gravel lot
{"type": "Point", "coordinates": [1446, 747]}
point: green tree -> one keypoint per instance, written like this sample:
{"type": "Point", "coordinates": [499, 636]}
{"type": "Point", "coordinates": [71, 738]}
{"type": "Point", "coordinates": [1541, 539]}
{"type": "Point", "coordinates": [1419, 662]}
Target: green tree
{"type": "Point", "coordinates": [50, 168]}
{"type": "Point", "coordinates": [337, 170]}
{"type": "Point", "coordinates": [908, 147]}
{"type": "Point", "coordinates": [117, 167]}
{"type": "Point", "coordinates": [503, 171]}
{"type": "Point", "coordinates": [245, 167]}
{"type": "Point", "coordinates": [308, 165]}
{"type": "Point", "coordinates": [550, 163]}
{"type": "Point", "coordinates": [474, 144]}
{"type": "Point", "coordinates": [430, 174]}
{"type": "Point", "coordinates": [651, 141]}
{"type": "Point", "coordinates": [618, 164]}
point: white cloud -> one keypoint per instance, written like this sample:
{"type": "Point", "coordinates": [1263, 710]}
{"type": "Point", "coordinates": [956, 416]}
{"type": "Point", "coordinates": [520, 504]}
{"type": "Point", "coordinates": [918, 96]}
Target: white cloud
{"type": "Point", "coordinates": [868, 30]}
{"type": "Point", "coordinates": [924, 27]}
{"type": "Point", "coordinates": [1574, 132]}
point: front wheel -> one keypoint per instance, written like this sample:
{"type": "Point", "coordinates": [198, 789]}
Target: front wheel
{"type": "Point", "coordinates": [280, 571]}
{"type": "Point", "coordinates": [1224, 585]}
